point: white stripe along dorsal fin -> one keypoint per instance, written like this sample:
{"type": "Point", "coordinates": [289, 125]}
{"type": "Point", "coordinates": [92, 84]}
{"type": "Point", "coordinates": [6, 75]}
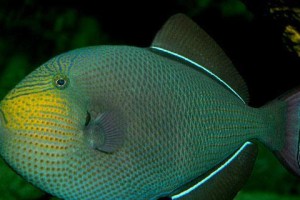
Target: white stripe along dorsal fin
{"type": "Point", "coordinates": [182, 38]}
{"type": "Point", "coordinates": [203, 68]}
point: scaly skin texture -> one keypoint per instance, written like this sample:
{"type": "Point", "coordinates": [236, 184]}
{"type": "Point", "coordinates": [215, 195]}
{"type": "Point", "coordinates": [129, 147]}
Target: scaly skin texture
{"type": "Point", "coordinates": [179, 123]}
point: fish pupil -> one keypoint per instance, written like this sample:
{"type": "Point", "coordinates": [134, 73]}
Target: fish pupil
{"type": "Point", "coordinates": [60, 82]}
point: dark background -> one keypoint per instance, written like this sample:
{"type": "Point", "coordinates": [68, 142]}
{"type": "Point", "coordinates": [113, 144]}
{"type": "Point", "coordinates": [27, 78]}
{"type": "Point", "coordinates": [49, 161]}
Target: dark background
{"type": "Point", "coordinates": [32, 31]}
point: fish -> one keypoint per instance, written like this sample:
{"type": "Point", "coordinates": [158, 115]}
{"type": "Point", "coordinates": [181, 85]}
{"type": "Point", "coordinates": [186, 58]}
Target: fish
{"type": "Point", "coordinates": [169, 121]}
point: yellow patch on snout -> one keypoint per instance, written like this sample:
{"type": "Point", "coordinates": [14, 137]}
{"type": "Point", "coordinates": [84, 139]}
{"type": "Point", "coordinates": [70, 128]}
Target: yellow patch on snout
{"type": "Point", "coordinates": [33, 111]}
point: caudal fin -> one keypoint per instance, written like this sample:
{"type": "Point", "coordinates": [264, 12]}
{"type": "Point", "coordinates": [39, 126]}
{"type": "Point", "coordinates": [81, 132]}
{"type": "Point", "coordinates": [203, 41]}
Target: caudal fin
{"type": "Point", "coordinates": [289, 154]}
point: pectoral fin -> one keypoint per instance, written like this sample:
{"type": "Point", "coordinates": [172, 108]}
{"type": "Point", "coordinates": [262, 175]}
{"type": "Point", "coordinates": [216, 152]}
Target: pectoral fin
{"type": "Point", "coordinates": [105, 132]}
{"type": "Point", "coordinates": [222, 182]}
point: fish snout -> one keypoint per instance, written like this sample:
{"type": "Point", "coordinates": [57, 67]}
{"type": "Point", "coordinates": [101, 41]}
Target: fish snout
{"type": "Point", "coordinates": [3, 130]}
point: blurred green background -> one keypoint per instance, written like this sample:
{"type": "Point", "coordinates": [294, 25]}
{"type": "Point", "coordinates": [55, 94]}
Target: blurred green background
{"type": "Point", "coordinates": [31, 32]}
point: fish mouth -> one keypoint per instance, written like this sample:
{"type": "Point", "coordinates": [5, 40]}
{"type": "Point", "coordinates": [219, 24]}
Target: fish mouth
{"type": "Point", "coordinates": [3, 123]}
{"type": "Point", "coordinates": [2, 129]}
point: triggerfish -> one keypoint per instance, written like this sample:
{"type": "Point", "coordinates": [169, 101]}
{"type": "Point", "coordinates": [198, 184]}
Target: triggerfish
{"type": "Point", "coordinates": [123, 122]}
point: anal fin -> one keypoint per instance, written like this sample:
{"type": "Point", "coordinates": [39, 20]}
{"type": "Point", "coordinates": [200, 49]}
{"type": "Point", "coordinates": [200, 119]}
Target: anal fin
{"type": "Point", "coordinates": [222, 182]}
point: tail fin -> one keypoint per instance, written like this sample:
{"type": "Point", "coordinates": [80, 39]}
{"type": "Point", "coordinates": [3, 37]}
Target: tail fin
{"type": "Point", "coordinates": [289, 154]}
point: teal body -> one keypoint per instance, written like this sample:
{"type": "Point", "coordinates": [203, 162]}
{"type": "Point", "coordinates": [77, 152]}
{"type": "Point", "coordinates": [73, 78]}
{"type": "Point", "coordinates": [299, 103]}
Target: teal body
{"type": "Point", "coordinates": [128, 123]}
{"type": "Point", "coordinates": [179, 121]}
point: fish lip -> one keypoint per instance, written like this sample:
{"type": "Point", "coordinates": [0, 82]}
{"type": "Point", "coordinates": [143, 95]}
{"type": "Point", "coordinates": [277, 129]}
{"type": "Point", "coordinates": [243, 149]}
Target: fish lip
{"type": "Point", "coordinates": [3, 130]}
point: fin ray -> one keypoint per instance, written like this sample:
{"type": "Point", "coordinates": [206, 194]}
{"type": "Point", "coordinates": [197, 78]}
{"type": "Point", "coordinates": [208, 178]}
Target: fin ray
{"type": "Point", "coordinates": [289, 154]}
{"type": "Point", "coordinates": [105, 133]}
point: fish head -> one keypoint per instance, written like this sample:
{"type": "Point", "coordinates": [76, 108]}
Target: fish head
{"type": "Point", "coordinates": [41, 124]}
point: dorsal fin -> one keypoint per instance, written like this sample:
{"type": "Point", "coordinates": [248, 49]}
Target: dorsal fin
{"type": "Point", "coordinates": [181, 37]}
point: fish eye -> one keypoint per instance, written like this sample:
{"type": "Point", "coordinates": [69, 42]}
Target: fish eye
{"type": "Point", "coordinates": [61, 81]}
